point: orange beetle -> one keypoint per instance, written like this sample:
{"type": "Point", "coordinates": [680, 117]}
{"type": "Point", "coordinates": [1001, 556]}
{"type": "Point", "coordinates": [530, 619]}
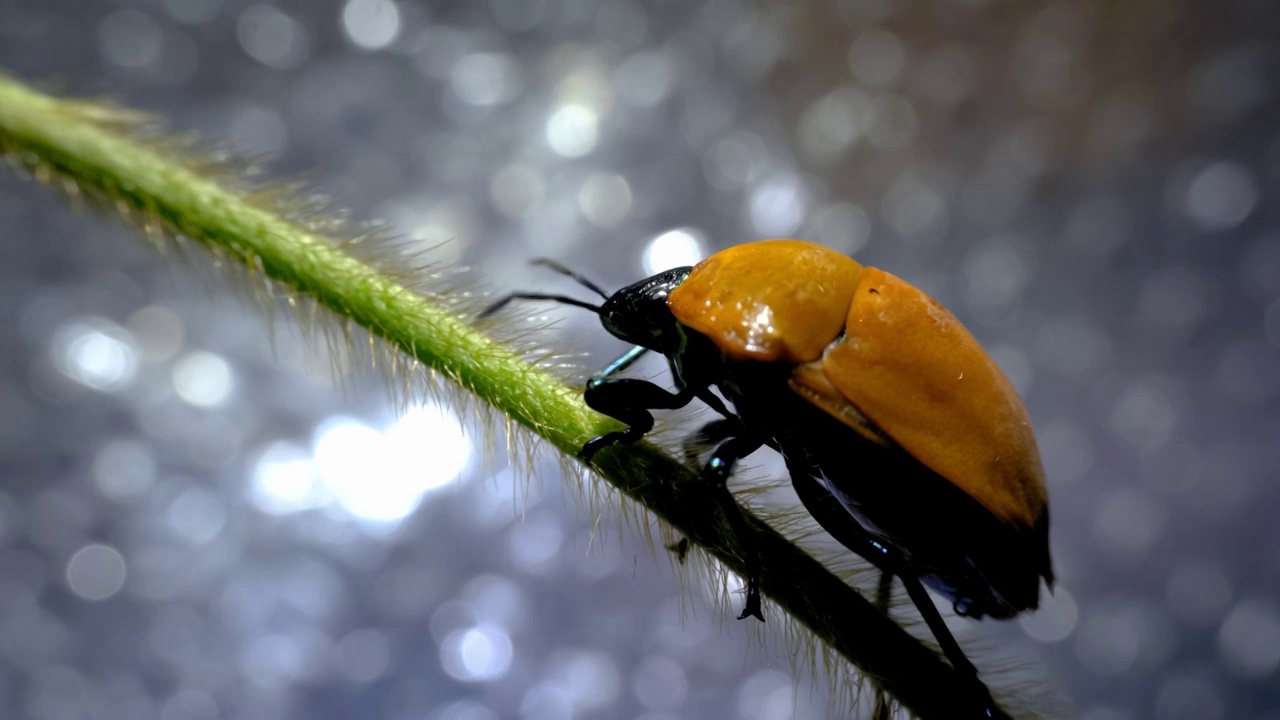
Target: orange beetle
{"type": "Point", "coordinates": [903, 438]}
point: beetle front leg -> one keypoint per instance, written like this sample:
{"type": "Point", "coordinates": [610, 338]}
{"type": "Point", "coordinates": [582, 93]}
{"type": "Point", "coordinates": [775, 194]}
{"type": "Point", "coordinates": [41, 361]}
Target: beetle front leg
{"type": "Point", "coordinates": [628, 401]}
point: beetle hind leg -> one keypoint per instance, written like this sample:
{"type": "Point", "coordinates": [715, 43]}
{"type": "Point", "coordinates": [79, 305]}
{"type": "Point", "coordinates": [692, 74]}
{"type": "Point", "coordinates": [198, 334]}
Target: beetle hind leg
{"type": "Point", "coordinates": [708, 437]}
{"type": "Point", "coordinates": [831, 515]}
{"type": "Point", "coordinates": [694, 447]}
{"type": "Point", "coordinates": [882, 709]}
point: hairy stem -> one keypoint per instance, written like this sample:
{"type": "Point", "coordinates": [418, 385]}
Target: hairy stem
{"type": "Point", "coordinates": [90, 149]}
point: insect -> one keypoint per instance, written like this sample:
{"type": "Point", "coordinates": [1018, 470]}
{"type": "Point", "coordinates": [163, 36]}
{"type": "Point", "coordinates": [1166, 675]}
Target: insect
{"type": "Point", "coordinates": [902, 437]}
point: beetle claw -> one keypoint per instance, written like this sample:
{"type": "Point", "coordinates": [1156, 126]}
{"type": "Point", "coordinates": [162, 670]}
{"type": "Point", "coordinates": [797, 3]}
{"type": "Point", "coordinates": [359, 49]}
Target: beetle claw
{"type": "Point", "coordinates": [589, 450]}
{"type": "Point", "coordinates": [680, 548]}
{"type": "Point", "coordinates": [598, 443]}
{"type": "Point", "coordinates": [752, 608]}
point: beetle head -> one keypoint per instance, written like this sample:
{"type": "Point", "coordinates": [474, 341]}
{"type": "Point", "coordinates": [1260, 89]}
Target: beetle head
{"type": "Point", "coordinates": [638, 313]}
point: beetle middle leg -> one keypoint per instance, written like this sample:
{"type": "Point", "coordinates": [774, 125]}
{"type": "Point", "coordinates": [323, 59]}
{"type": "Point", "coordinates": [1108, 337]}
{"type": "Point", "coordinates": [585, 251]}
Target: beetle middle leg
{"type": "Point", "coordinates": [708, 437]}
{"type": "Point", "coordinates": [717, 472]}
{"type": "Point", "coordinates": [732, 442]}
{"type": "Point", "coordinates": [694, 446]}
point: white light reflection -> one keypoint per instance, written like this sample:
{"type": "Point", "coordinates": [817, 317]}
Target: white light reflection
{"type": "Point", "coordinates": [605, 199]}
{"type": "Point", "coordinates": [371, 24]}
{"type": "Point", "coordinates": [673, 248]}
{"type": "Point", "coordinates": [197, 516]}
{"type": "Point", "coordinates": [833, 124]}
{"type": "Point", "coordinates": [778, 205]}
{"type": "Point", "coordinates": [1221, 196]}
{"type": "Point", "coordinates": [467, 710]}
{"type": "Point", "coordinates": [273, 37]}
{"type": "Point", "coordinates": [477, 654]}
{"type": "Point", "coordinates": [547, 701]}
{"type": "Point", "coordinates": [645, 79]}
{"type": "Point", "coordinates": [380, 477]}
{"type": "Point", "coordinates": [842, 226]}
{"type": "Point", "coordinates": [157, 331]}
{"type": "Point", "coordinates": [536, 543]}
{"type": "Point", "coordinates": [96, 572]}
{"type": "Point", "coordinates": [877, 58]}
{"type": "Point", "coordinates": [660, 683]}
{"type": "Point", "coordinates": [572, 131]}
{"type": "Point", "coordinates": [1249, 639]}
{"type": "Point", "coordinates": [517, 190]}
{"type": "Point", "coordinates": [203, 379]}
{"type": "Point", "coordinates": [194, 12]}
{"type": "Point", "coordinates": [767, 695]}
{"type": "Point", "coordinates": [273, 662]}
{"type": "Point", "coordinates": [1056, 619]}
{"type": "Point", "coordinates": [285, 481]}
{"type": "Point", "coordinates": [96, 353]}
{"type": "Point", "coordinates": [123, 469]}
{"type": "Point", "coordinates": [351, 458]}
{"type": "Point", "coordinates": [486, 79]}
{"type": "Point", "coordinates": [131, 39]}
{"type": "Point", "coordinates": [190, 703]}
{"type": "Point", "coordinates": [589, 677]}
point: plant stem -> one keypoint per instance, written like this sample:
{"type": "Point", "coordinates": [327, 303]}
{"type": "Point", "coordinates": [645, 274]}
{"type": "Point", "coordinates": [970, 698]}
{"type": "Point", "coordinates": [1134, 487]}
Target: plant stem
{"type": "Point", "coordinates": [91, 149]}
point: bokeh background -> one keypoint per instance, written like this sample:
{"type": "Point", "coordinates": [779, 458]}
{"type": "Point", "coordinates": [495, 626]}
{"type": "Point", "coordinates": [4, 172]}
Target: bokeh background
{"type": "Point", "coordinates": [202, 519]}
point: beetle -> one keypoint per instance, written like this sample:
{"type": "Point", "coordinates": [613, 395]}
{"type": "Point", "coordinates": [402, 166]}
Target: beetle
{"type": "Point", "coordinates": [903, 438]}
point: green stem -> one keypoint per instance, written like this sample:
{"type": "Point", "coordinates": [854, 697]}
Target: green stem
{"type": "Point", "coordinates": [87, 147]}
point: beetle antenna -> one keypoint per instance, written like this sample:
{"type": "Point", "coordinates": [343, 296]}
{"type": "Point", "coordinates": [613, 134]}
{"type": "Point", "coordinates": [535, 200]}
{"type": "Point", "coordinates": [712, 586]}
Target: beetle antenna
{"type": "Point", "coordinates": [565, 299]}
{"type": "Point", "coordinates": [553, 265]}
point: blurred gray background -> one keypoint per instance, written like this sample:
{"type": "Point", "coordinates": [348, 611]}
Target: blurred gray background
{"type": "Point", "coordinates": [200, 521]}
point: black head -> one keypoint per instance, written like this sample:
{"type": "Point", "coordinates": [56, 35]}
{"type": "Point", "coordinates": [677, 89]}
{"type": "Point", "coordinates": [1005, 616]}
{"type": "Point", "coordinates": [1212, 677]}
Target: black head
{"type": "Point", "coordinates": [637, 314]}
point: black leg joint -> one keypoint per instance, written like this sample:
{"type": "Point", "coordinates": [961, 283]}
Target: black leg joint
{"type": "Point", "coordinates": [628, 401]}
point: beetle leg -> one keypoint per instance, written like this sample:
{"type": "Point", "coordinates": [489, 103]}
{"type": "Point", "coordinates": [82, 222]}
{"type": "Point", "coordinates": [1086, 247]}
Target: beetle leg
{"type": "Point", "coordinates": [715, 403]}
{"type": "Point", "coordinates": [933, 619]}
{"type": "Point", "coordinates": [884, 593]}
{"type": "Point", "coordinates": [714, 432]}
{"type": "Point", "coordinates": [831, 515]}
{"type": "Point", "coordinates": [823, 507]}
{"type": "Point", "coordinates": [717, 471]}
{"type": "Point", "coordinates": [680, 548]}
{"type": "Point", "coordinates": [705, 438]}
{"type": "Point", "coordinates": [708, 436]}
{"type": "Point", "coordinates": [950, 648]}
{"type": "Point", "coordinates": [623, 362]}
{"type": "Point", "coordinates": [629, 401]}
